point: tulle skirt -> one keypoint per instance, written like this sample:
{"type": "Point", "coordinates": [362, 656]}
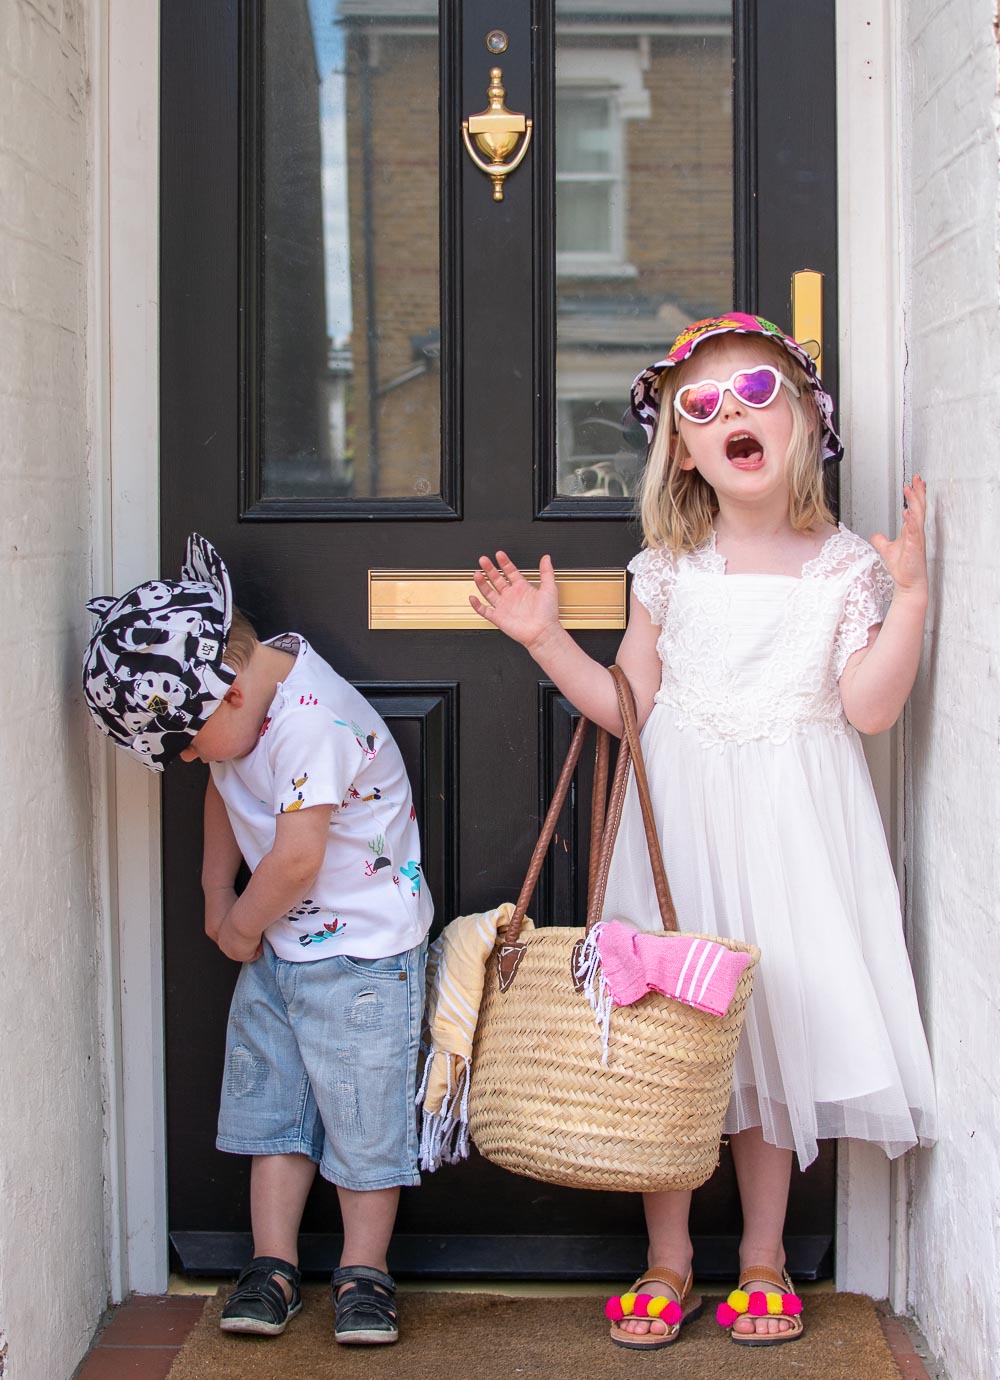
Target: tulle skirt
{"type": "Point", "coordinates": [781, 845]}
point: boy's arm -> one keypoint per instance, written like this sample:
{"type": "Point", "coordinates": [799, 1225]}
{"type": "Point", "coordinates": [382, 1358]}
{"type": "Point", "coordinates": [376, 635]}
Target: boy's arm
{"type": "Point", "coordinates": [220, 862]}
{"type": "Point", "coordinates": [280, 880]}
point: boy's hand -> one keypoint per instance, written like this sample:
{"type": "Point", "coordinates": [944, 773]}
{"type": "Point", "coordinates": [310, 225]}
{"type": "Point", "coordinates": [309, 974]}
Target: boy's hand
{"type": "Point", "coordinates": [218, 903]}
{"type": "Point", "coordinates": [236, 945]}
{"type": "Point", "coordinates": [279, 881]}
{"type": "Point", "coordinates": [906, 557]}
{"type": "Point", "coordinates": [519, 609]}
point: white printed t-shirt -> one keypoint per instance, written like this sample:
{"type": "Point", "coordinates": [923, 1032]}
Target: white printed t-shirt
{"type": "Point", "coordinates": [322, 744]}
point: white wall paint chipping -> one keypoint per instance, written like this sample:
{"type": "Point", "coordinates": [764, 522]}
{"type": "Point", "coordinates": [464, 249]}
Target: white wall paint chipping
{"type": "Point", "coordinates": [53, 1254]}
{"type": "Point", "coordinates": [952, 410]}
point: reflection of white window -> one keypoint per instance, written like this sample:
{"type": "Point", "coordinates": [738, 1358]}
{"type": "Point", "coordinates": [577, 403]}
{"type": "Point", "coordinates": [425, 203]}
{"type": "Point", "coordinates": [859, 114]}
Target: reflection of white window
{"type": "Point", "coordinates": [596, 94]}
{"type": "Point", "coordinates": [590, 166]}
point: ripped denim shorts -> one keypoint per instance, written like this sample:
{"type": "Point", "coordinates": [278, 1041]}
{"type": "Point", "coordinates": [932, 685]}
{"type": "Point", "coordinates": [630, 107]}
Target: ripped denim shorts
{"type": "Point", "coordinates": [321, 1060]}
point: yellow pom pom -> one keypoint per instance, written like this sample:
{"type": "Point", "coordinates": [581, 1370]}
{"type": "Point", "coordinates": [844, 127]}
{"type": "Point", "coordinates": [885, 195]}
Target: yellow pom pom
{"type": "Point", "coordinates": [628, 1303]}
{"type": "Point", "coordinates": [656, 1306]}
{"type": "Point", "coordinates": [739, 1300]}
{"type": "Point", "coordinates": [774, 1304]}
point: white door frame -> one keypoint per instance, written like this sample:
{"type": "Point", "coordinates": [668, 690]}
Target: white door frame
{"type": "Point", "coordinates": [132, 206]}
{"type": "Point", "coordinates": [871, 1225]}
{"type": "Point", "coordinates": [871, 1193]}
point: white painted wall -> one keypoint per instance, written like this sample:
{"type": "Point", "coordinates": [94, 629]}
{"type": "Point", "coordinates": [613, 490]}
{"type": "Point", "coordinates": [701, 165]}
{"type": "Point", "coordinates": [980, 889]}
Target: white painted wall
{"type": "Point", "coordinates": [951, 198]}
{"type": "Point", "coordinates": [54, 1279]}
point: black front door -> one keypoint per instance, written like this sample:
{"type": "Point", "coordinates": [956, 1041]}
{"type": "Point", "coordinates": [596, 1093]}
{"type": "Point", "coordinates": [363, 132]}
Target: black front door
{"type": "Point", "coordinates": [373, 371]}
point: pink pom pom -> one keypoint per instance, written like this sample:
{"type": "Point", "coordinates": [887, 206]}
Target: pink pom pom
{"type": "Point", "coordinates": [641, 1306]}
{"type": "Point", "coordinates": [725, 1316]}
{"type": "Point", "coordinates": [673, 1313]}
{"type": "Point", "coordinates": [613, 1309]}
{"type": "Point", "coordinates": [791, 1305]}
{"type": "Point", "coordinates": [758, 1304]}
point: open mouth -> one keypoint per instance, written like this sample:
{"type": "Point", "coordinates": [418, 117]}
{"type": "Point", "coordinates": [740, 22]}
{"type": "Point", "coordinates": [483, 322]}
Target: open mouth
{"type": "Point", "coordinates": [744, 450]}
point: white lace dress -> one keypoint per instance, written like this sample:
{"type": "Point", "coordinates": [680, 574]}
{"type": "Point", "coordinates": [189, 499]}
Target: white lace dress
{"type": "Point", "coordinates": [771, 833]}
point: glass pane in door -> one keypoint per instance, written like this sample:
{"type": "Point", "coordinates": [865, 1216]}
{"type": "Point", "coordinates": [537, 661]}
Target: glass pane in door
{"type": "Point", "coordinates": [644, 212]}
{"type": "Point", "coordinates": [350, 309]}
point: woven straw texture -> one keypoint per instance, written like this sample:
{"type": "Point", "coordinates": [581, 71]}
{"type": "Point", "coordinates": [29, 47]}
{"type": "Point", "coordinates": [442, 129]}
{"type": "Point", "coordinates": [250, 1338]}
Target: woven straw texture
{"type": "Point", "coordinates": [543, 1105]}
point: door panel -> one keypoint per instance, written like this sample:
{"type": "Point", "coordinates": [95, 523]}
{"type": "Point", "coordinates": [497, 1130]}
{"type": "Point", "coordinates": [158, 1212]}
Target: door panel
{"type": "Point", "coordinates": [368, 363]}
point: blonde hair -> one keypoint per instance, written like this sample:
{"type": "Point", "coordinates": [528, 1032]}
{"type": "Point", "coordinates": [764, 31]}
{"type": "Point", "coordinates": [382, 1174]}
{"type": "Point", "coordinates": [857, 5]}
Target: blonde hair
{"type": "Point", "coordinates": [677, 506]}
{"type": "Point", "coordinates": [240, 643]}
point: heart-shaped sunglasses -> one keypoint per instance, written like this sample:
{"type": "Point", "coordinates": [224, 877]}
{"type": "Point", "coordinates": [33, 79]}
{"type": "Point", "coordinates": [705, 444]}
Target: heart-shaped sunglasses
{"type": "Point", "coordinates": [700, 402]}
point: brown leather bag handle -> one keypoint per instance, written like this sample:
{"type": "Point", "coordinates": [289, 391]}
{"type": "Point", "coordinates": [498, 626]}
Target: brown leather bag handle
{"type": "Point", "coordinates": [598, 805]}
{"type": "Point", "coordinates": [631, 752]}
{"type": "Point", "coordinates": [509, 950]}
{"type": "Point", "coordinates": [547, 830]}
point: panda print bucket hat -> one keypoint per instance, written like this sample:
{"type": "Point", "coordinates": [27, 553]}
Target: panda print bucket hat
{"type": "Point", "coordinates": [153, 670]}
{"type": "Point", "coordinates": [646, 386]}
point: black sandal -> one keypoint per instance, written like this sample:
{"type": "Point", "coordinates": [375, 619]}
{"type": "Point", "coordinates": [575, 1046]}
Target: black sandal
{"type": "Point", "coordinates": [365, 1314]}
{"type": "Point", "coordinates": [258, 1304]}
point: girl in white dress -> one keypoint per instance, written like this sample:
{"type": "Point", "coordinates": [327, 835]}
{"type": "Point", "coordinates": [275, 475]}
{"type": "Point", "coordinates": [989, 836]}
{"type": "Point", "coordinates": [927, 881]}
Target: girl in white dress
{"type": "Point", "coordinates": [761, 636]}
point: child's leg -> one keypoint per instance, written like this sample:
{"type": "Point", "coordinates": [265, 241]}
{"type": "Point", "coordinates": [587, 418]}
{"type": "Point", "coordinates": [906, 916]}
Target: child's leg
{"type": "Point", "coordinates": [279, 1186]}
{"type": "Point", "coordinates": [267, 1292]}
{"type": "Point", "coordinates": [763, 1173]}
{"type": "Point", "coordinates": [669, 1244]}
{"type": "Point", "coordinates": [365, 1300]}
{"type": "Point", "coordinates": [368, 1221]}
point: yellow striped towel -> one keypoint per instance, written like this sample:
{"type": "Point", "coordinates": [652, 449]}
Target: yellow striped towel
{"type": "Point", "coordinates": [456, 972]}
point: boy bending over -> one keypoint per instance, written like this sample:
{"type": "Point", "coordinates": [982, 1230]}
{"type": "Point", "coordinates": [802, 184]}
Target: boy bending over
{"type": "Point", "coordinates": [309, 788]}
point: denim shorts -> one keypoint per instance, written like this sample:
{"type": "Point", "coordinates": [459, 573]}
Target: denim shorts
{"type": "Point", "coordinates": [321, 1060]}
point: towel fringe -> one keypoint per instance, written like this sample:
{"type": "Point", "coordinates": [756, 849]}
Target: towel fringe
{"type": "Point", "coordinates": [444, 1134]}
{"type": "Point", "coordinates": [589, 975]}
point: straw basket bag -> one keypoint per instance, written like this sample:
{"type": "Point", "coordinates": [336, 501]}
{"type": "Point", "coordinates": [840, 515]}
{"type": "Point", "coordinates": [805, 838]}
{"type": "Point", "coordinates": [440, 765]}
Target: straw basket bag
{"type": "Point", "coordinates": [541, 1102]}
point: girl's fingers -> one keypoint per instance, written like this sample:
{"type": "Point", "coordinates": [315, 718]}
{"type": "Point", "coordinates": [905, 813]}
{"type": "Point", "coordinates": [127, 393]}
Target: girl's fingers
{"type": "Point", "coordinates": [483, 585]}
{"type": "Point", "coordinates": [490, 580]}
{"type": "Point", "coordinates": [915, 494]}
{"type": "Point", "coordinates": [507, 568]}
{"type": "Point", "coordinates": [482, 609]}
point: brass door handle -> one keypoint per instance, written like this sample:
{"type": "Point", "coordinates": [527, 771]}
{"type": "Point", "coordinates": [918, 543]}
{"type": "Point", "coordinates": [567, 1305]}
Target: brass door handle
{"type": "Point", "coordinates": [807, 314]}
{"type": "Point", "coordinates": [497, 130]}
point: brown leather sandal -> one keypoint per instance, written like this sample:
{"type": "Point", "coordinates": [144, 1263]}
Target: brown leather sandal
{"type": "Point", "coordinates": [782, 1303]}
{"type": "Point", "coordinates": [641, 1302]}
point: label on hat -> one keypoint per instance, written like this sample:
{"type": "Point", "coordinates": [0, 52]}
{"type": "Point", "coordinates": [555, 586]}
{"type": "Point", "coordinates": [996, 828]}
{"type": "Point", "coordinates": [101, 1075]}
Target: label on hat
{"type": "Point", "coordinates": [156, 704]}
{"type": "Point", "coordinates": [208, 649]}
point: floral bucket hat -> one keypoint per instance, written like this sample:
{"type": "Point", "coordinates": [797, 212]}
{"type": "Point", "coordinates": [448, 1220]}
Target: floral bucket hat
{"type": "Point", "coordinates": [153, 670]}
{"type": "Point", "coordinates": [646, 386]}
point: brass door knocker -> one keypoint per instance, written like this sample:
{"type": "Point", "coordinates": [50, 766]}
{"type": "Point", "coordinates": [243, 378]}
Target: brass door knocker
{"type": "Point", "coordinates": [496, 130]}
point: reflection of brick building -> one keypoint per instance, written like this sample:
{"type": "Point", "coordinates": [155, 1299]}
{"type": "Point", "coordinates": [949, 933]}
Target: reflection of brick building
{"type": "Point", "coordinates": [643, 214]}
{"type": "Point", "coordinates": [294, 344]}
{"type": "Point", "coordinates": [660, 134]}
{"type": "Point", "coordinates": [644, 217]}
{"type": "Point", "coordinates": [392, 191]}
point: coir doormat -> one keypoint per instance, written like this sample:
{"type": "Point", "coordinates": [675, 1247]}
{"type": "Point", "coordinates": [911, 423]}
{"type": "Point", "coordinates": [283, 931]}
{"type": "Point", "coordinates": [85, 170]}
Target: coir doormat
{"type": "Point", "coordinates": [451, 1336]}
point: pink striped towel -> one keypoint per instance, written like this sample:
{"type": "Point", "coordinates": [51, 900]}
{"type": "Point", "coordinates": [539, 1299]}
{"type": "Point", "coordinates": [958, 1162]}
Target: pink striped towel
{"type": "Point", "coordinates": [696, 971]}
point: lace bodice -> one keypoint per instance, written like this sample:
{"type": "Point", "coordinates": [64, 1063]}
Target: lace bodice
{"type": "Point", "coordinates": [760, 656]}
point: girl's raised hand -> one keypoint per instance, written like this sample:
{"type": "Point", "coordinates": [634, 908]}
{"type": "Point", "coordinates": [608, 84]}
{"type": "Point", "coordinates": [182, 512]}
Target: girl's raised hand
{"type": "Point", "coordinates": [523, 611]}
{"type": "Point", "coordinates": [906, 557]}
